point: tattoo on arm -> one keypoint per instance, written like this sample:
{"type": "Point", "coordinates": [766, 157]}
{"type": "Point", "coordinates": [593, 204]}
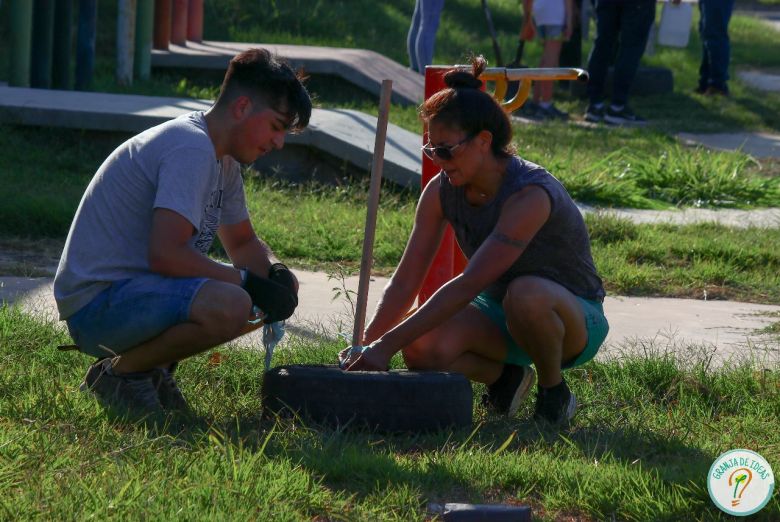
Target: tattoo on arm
{"type": "Point", "coordinates": [503, 238]}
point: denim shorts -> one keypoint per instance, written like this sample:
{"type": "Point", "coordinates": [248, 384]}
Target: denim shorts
{"type": "Point", "coordinates": [549, 32]}
{"type": "Point", "coordinates": [595, 323]}
{"type": "Point", "coordinates": [132, 311]}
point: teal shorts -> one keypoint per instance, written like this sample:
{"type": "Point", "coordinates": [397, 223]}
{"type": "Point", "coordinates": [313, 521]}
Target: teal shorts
{"type": "Point", "coordinates": [595, 323]}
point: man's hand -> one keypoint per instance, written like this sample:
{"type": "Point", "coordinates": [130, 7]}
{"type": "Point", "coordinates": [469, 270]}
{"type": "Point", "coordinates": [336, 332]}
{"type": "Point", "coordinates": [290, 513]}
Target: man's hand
{"type": "Point", "coordinates": [279, 273]}
{"type": "Point", "coordinates": [276, 300]}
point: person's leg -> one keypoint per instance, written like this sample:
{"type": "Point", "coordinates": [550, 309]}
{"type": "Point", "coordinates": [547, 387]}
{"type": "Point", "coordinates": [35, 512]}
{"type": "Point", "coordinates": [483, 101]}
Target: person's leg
{"type": "Point", "coordinates": [607, 25]}
{"type": "Point", "coordinates": [704, 68]}
{"type": "Point", "coordinates": [635, 22]}
{"type": "Point", "coordinates": [140, 328]}
{"type": "Point", "coordinates": [429, 25]}
{"type": "Point", "coordinates": [469, 343]}
{"type": "Point", "coordinates": [411, 38]}
{"type": "Point", "coordinates": [550, 54]}
{"type": "Point", "coordinates": [546, 320]}
{"type": "Point", "coordinates": [218, 314]}
{"type": "Point", "coordinates": [716, 15]}
{"type": "Point", "coordinates": [550, 324]}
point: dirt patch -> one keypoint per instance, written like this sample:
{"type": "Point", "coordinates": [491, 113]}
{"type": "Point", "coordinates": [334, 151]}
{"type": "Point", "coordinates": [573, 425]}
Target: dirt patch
{"type": "Point", "coordinates": [25, 257]}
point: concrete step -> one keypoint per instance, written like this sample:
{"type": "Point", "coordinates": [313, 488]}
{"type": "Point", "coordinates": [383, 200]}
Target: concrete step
{"type": "Point", "coordinates": [363, 68]}
{"type": "Point", "coordinates": [346, 135]}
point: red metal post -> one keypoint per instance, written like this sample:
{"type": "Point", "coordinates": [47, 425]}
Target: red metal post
{"type": "Point", "coordinates": [163, 12]}
{"type": "Point", "coordinates": [449, 260]}
{"type": "Point", "coordinates": [179, 22]}
{"type": "Point", "coordinates": [195, 21]}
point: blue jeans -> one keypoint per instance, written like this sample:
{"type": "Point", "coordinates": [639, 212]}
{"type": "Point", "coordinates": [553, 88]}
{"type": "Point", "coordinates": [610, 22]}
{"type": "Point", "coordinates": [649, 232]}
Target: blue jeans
{"type": "Point", "coordinates": [627, 25]}
{"type": "Point", "coordinates": [716, 47]}
{"type": "Point", "coordinates": [422, 33]}
{"type": "Point", "coordinates": [132, 311]}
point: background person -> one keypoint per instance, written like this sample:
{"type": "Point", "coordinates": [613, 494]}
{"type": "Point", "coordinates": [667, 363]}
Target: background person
{"type": "Point", "coordinates": [530, 293]}
{"type": "Point", "coordinates": [716, 46]}
{"type": "Point", "coordinates": [134, 282]}
{"type": "Point", "coordinates": [625, 24]}
{"type": "Point", "coordinates": [422, 33]}
{"type": "Point", "coordinates": [552, 21]}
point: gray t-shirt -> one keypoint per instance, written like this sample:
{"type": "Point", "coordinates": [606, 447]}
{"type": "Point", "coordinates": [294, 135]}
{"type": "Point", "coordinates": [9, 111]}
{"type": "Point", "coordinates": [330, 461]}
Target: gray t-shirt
{"type": "Point", "coordinates": [172, 166]}
{"type": "Point", "coordinates": [559, 251]}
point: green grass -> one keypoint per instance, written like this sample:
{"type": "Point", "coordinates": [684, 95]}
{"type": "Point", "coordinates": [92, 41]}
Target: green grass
{"type": "Point", "coordinates": [646, 433]}
{"type": "Point", "coordinates": [318, 226]}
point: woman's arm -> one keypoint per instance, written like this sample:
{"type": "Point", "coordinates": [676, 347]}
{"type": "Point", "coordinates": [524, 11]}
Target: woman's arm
{"type": "Point", "coordinates": [521, 218]}
{"type": "Point", "coordinates": [401, 291]}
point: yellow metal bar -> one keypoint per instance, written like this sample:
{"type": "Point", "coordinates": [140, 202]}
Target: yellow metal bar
{"type": "Point", "coordinates": [501, 76]}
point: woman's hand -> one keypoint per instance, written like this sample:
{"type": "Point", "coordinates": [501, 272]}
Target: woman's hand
{"type": "Point", "coordinates": [349, 355]}
{"type": "Point", "coordinates": [372, 359]}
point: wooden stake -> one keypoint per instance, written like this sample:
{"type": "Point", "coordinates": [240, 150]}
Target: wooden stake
{"type": "Point", "coordinates": [373, 204]}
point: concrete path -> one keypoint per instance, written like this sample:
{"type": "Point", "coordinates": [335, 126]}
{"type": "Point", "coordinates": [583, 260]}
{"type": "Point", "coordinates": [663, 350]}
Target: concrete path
{"type": "Point", "coordinates": [690, 329]}
{"type": "Point", "coordinates": [761, 80]}
{"type": "Point", "coordinates": [757, 144]}
{"type": "Point", "coordinates": [364, 68]}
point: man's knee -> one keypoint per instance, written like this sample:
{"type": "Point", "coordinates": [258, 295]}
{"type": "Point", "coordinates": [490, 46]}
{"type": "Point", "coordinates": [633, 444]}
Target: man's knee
{"type": "Point", "coordinates": [222, 309]}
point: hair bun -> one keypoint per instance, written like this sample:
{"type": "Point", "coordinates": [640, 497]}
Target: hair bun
{"type": "Point", "coordinates": [460, 79]}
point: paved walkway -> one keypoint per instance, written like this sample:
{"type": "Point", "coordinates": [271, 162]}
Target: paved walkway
{"type": "Point", "coordinates": [761, 80]}
{"type": "Point", "coordinates": [757, 144]}
{"type": "Point", "coordinates": [690, 329]}
{"type": "Point", "coordinates": [364, 68]}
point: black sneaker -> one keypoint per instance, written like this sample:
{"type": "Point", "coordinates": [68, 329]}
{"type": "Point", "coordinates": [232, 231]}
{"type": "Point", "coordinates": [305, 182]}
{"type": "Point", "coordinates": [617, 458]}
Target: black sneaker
{"type": "Point", "coordinates": [595, 113]}
{"type": "Point", "coordinates": [132, 395]}
{"type": "Point", "coordinates": [508, 392]}
{"type": "Point", "coordinates": [624, 116]}
{"type": "Point", "coordinates": [168, 392]}
{"type": "Point", "coordinates": [555, 406]}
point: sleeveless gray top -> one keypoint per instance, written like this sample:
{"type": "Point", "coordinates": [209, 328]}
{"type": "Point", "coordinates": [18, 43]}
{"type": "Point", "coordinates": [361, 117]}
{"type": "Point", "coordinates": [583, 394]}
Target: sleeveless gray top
{"type": "Point", "coordinates": [560, 250]}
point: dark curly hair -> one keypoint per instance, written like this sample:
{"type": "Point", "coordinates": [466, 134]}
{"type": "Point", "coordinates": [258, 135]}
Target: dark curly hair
{"type": "Point", "coordinates": [258, 74]}
{"type": "Point", "coordinates": [464, 106]}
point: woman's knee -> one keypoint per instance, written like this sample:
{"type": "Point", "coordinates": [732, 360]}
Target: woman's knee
{"type": "Point", "coordinates": [526, 297]}
{"type": "Point", "coordinates": [423, 354]}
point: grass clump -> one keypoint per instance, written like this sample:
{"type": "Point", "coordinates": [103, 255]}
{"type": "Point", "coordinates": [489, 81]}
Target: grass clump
{"type": "Point", "coordinates": [648, 421]}
{"type": "Point", "coordinates": [706, 260]}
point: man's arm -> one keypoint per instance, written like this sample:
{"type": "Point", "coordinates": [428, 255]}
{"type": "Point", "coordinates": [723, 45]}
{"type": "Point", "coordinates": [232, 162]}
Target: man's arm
{"type": "Point", "coordinates": [171, 255]}
{"type": "Point", "coordinates": [245, 249]}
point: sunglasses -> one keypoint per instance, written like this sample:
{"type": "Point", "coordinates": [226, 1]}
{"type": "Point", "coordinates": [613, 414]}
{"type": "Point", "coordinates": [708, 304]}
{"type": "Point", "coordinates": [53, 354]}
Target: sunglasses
{"type": "Point", "coordinates": [443, 152]}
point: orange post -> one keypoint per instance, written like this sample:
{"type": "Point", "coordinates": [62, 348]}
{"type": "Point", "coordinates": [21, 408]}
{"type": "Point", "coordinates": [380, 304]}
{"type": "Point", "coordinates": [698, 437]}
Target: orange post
{"type": "Point", "coordinates": [179, 22]}
{"type": "Point", "coordinates": [195, 21]}
{"type": "Point", "coordinates": [449, 260]}
{"type": "Point", "coordinates": [163, 12]}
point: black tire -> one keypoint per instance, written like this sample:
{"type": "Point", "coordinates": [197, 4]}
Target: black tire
{"type": "Point", "coordinates": [394, 401]}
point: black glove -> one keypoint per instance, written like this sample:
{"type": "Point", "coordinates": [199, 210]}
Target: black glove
{"type": "Point", "coordinates": [276, 300]}
{"type": "Point", "coordinates": [279, 273]}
